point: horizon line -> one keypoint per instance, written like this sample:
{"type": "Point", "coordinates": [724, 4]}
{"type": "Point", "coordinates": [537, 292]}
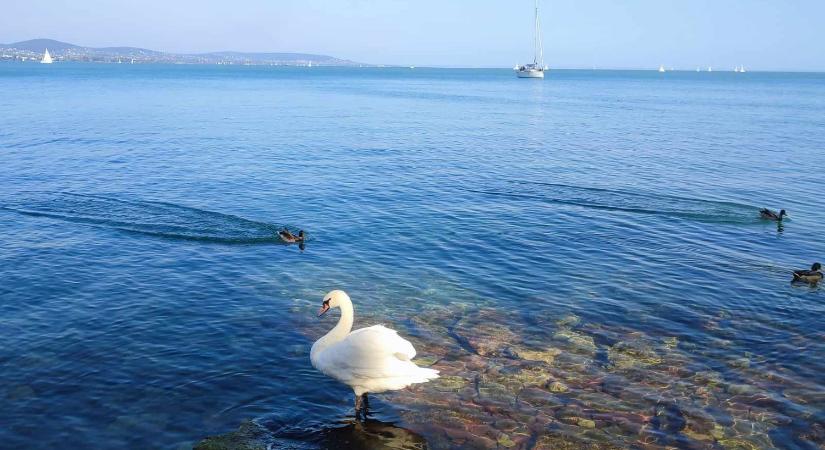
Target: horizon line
{"type": "Point", "coordinates": [426, 66]}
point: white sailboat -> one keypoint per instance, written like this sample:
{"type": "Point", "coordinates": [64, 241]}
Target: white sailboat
{"type": "Point", "coordinates": [662, 69]}
{"type": "Point", "coordinates": [47, 58]}
{"type": "Point", "coordinates": [537, 68]}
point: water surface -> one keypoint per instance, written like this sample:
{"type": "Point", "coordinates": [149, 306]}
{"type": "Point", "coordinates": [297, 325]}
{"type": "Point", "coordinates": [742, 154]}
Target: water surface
{"type": "Point", "coordinates": [597, 229]}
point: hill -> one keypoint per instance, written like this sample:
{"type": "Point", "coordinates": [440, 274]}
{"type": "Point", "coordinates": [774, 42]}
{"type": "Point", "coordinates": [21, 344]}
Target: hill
{"type": "Point", "coordinates": [64, 51]}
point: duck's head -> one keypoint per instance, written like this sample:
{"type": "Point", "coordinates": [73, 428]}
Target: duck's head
{"type": "Point", "coordinates": [816, 267]}
{"type": "Point", "coordinates": [782, 213]}
{"type": "Point", "coordinates": [333, 299]}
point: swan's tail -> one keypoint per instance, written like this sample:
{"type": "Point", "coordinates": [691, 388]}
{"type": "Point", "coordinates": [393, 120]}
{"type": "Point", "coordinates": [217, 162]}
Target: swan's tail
{"type": "Point", "coordinates": [423, 375]}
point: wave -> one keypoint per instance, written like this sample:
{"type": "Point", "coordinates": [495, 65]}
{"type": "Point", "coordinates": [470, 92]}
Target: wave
{"type": "Point", "coordinates": [154, 218]}
{"type": "Point", "coordinates": [630, 202]}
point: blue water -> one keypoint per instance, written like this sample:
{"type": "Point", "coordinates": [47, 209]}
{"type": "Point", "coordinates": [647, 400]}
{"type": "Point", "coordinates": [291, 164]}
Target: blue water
{"type": "Point", "coordinates": [144, 302]}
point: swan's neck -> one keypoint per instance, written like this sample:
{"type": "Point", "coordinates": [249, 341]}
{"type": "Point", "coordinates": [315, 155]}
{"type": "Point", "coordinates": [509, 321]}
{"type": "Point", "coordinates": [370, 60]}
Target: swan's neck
{"type": "Point", "coordinates": [340, 331]}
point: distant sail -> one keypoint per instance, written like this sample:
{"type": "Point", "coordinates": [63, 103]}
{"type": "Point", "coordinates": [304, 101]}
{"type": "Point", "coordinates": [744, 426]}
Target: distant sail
{"type": "Point", "coordinates": [47, 58]}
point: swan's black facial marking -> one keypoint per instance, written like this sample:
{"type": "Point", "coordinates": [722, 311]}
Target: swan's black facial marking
{"type": "Point", "coordinates": [324, 308]}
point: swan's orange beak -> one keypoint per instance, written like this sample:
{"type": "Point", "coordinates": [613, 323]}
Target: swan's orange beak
{"type": "Point", "coordinates": [323, 309]}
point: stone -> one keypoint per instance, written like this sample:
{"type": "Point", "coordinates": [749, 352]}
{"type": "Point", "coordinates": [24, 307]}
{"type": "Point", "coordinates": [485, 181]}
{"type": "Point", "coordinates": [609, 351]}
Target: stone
{"type": "Point", "coordinates": [568, 321]}
{"type": "Point", "coordinates": [631, 354]}
{"type": "Point", "coordinates": [586, 423]}
{"type": "Point", "coordinates": [577, 342]}
{"type": "Point", "coordinates": [546, 356]}
{"type": "Point", "coordinates": [558, 386]}
{"type": "Point", "coordinates": [449, 383]}
{"type": "Point", "coordinates": [505, 441]}
{"type": "Point", "coordinates": [249, 436]}
{"type": "Point", "coordinates": [740, 363]}
{"type": "Point", "coordinates": [708, 378]}
{"type": "Point", "coordinates": [740, 389]}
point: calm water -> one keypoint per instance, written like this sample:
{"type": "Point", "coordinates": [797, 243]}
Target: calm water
{"type": "Point", "coordinates": [145, 304]}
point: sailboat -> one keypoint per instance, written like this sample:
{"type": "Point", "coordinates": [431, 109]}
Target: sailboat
{"type": "Point", "coordinates": [537, 68]}
{"type": "Point", "coordinates": [662, 69]}
{"type": "Point", "coordinates": [47, 58]}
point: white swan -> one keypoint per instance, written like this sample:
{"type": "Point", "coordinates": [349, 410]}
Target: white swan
{"type": "Point", "coordinates": [370, 360]}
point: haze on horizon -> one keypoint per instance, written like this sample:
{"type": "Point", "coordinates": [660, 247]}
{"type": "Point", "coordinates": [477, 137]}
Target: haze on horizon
{"type": "Point", "coordinates": [760, 34]}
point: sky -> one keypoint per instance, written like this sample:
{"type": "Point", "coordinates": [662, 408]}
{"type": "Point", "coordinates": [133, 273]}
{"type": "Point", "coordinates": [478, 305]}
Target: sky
{"type": "Point", "coordinates": [760, 34]}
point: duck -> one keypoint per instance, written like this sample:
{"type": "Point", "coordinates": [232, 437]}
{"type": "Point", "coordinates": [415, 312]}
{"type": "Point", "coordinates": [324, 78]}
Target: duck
{"type": "Point", "coordinates": [369, 360]}
{"type": "Point", "coordinates": [288, 237]}
{"type": "Point", "coordinates": [766, 213]}
{"type": "Point", "coordinates": [809, 276]}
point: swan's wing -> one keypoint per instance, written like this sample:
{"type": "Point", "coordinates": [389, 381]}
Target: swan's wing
{"type": "Point", "coordinates": [379, 338]}
{"type": "Point", "coordinates": [372, 352]}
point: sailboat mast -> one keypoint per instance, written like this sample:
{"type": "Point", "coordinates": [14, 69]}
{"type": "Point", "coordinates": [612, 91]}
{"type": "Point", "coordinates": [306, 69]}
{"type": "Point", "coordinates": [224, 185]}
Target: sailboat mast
{"type": "Point", "coordinates": [536, 35]}
{"type": "Point", "coordinates": [538, 56]}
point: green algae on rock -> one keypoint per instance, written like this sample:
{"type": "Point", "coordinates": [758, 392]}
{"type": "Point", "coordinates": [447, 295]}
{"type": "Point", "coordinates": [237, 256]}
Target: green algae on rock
{"type": "Point", "coordinates": [632, 354]}
{"type": "Point", "coordinates": [575, 341]}
{"type": "Point", "coordinates": [249, 436]}
{"type": "Point", "coordinates": [546, 356]}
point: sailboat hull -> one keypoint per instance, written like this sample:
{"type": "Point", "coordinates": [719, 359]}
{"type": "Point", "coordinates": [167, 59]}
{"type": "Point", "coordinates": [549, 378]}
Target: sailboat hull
{"type": "Point", "coordinates": [530, 73]}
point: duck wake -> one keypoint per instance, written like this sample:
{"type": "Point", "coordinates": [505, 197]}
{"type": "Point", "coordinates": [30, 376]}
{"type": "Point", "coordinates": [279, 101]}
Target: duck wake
{"type": "Point", "coordinates": [160, 219]}
{"type": "Point", "coordinates": [629, 202]}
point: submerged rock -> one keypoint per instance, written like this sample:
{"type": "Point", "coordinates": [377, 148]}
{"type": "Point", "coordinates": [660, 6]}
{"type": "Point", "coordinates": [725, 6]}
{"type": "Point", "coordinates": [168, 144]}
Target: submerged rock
{"type": "Point", "coordinates": [505, 441]}
{"type": "Point", "coordinates": [575, 341]}
{"type": "Point", "coordinates": [740, 389]}
{"type": "Point", "coordinates": [557, 386]}
{"type": "Point", "coordinates": [631, 354]}
{"type": "Point", "coordinates": [708, 378]}
{"type": "Point", "coordinates": [448, 383]}
{"type": "Point", "coordinates": [568, 321]}
{"type": "Point", "coordinates": [249, 436]}
{"type": "Point", "coordinates": [738, 444]}
{"type": "Point", "coordinates": [585, 423]}
{"type": "Point", "coordinates": [483, 333]}
{"type": "Point", "coordinates": [546, 356]}
{"type": "Point", "coordinates": [671, 342]}
{"type": "Point", "coordinates": [740, 363]}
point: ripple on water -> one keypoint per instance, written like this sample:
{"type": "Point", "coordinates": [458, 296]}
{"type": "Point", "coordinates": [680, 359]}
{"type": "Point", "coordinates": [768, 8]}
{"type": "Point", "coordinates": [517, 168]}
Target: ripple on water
{"type": "Point", "coordinates": [160, 219]}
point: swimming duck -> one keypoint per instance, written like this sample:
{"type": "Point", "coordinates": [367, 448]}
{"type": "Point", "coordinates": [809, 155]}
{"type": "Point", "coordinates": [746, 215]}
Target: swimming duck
{"type": "Point", "coordinates": [287, 236]}
{"type": "Point", "coordinates": [370, 360]}
{"type": "Point", "coordinates": [809, 276]}
{"type": "Point", "coordinates": [766, 213]}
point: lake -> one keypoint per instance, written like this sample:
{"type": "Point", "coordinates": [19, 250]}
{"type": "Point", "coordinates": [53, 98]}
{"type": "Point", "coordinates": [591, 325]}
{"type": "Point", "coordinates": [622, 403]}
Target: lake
{"type": "Point", "coordinates": [581, 257]}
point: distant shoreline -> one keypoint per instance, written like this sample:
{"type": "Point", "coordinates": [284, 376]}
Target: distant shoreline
{"type": "Point", "coordinates": [33, 50]}
{"type": "Point", "coordinates": [34, 61]}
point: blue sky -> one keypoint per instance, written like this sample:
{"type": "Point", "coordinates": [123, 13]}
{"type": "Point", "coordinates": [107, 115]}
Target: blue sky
{"type": "Point", "coordinates": [761, 34]}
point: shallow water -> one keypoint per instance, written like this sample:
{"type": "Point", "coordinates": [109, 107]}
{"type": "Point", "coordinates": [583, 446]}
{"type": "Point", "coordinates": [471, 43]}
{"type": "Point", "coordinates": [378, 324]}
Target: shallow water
{"type": "Point", "coordinates": [596, 230]}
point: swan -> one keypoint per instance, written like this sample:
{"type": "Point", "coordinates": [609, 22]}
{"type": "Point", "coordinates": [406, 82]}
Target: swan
{"type": "Point", "coordinates": [369, 360]}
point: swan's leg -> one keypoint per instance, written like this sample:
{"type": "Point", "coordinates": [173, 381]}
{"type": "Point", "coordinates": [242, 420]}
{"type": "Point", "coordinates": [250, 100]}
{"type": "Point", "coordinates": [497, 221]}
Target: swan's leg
{"type": "Point", "coordinates": [358, 405]}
